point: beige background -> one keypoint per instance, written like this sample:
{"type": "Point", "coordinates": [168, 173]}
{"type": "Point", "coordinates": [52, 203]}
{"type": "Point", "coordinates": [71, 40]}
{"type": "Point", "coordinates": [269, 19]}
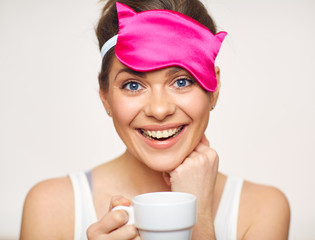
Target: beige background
{"type": "Point", "coordinates": [52, 121]}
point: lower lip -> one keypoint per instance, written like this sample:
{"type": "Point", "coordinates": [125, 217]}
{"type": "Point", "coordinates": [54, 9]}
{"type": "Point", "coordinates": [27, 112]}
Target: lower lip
{"type": "Point", "coordinates": [165, 143]}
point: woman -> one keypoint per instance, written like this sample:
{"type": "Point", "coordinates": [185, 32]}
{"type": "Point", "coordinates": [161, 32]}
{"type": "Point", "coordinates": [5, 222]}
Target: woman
{"type": "Point", "coordinates": [159, 84]}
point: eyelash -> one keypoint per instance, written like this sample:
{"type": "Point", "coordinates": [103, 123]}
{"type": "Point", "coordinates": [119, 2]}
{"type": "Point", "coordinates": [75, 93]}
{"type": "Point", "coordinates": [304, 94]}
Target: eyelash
{"type": "Point", "coordinates": [124, 86]}
{"type": "Point", "coordinates": [190, 82]}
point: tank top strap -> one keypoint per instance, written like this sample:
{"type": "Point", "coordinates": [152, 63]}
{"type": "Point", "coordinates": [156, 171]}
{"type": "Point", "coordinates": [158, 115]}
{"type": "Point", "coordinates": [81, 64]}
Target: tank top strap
{"type": "Point", "coordinates": [85, 213]}
{"type": "Point", "coordinates": [227, 214]}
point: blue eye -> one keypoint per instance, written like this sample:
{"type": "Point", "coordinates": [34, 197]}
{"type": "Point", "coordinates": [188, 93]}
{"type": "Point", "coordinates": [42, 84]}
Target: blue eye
{"type": "Point", "coordinates": [132, 86]}
{"type": "Point", "coordinates": [180, 83]}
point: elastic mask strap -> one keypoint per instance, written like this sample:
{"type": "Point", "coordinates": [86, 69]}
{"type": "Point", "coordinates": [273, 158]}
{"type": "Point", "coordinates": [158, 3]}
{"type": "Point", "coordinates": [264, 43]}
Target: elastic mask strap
{"type": "Point", "coordinates": [108, 45]}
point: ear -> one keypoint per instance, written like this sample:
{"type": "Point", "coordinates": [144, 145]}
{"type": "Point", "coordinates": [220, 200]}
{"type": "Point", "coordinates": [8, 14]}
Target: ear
{"type": "Point", "coordinates": [104, 97]}
{"type": "Point", "coordinates": [215, 94]}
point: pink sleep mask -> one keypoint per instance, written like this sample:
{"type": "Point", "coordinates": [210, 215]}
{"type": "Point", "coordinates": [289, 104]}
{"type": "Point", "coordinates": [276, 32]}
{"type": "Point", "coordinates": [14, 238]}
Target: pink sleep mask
{"type": "Point", "coordinates": [155, 39]}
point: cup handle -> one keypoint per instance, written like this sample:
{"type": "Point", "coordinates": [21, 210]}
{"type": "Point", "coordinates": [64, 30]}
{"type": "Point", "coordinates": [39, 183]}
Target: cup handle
{"type": "Point", "coordinates": [130, 212]}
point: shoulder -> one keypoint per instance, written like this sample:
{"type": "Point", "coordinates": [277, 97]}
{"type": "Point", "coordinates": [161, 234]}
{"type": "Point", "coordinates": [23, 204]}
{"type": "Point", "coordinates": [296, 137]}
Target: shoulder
{"type": "Point", "coordinates": [265, 211]}
{"type": "Point", "coordinates": [49, 210]}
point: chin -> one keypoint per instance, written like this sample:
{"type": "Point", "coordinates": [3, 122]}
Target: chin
{"type": "Point", "coordinates": [163, 163]}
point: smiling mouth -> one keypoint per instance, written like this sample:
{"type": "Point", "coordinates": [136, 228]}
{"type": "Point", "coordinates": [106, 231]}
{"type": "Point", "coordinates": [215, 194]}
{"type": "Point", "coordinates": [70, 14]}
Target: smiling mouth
{"type": "Point", "coordinates": [161, 135]}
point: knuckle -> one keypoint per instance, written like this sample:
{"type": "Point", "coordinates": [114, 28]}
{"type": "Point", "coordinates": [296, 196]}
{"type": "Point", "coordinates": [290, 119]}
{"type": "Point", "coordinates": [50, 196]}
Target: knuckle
{"type": "Point", "coordinates": [189, 162]}
{"type": "Point", "coordinates": [212, 154]}
{"type": "Point", "coordinates": [203, 158]}
{"type": "Point", "coordinates": [131, 231]}
{"type": "Point", "coordinates": [213, 151]}
{"type": "Point", "coordinates": [120, 217]}
{"type": "Point", "coordinates": [200, 160]}
{"type": "Point", "coordinates": [208, 158]}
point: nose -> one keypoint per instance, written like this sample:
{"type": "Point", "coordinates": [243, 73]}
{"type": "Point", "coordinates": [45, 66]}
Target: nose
{"type": "Point", "coordinates": [160, 105]}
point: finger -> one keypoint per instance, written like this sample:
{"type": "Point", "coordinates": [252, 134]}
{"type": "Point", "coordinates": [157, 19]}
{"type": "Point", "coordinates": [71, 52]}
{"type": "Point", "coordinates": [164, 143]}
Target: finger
{"type": "Point", "coordinates": [203, 145]}
{"type": "Point", "coordinates": [125, 233]}
{"type": "Point", "coordinates": [193, 155]}
{"type": "Point", "coordinates": [209, 152]}
{"type": "Point", "coordinates": [202, 148]}
{"type": "Point", "coordinates": [108, 223]}
{"type": "Point", "coordinates": [115, 219]}
{"type": "Point", "coordinates": [205, 141]}
{"type": "Point", "coordinates": [119, 201]}
{"type": "Point", "coordinates": [167, 178]}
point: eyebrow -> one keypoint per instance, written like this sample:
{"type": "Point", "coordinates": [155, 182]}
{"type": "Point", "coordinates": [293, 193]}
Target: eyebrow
{"type": "Point", "coordinates": [130, 71]}
{"type": "Point", "coordinates": [174, 70]}
{"type": "Point", "coordinates": [170, 72]}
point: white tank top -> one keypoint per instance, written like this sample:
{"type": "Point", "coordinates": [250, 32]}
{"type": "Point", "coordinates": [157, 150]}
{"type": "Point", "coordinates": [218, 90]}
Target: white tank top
{"type": "Point", "coordinates": [225, 222]}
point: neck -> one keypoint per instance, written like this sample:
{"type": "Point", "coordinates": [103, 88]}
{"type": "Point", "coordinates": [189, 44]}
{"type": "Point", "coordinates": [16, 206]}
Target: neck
{"type": "Point", "coordinates": [140, 177]}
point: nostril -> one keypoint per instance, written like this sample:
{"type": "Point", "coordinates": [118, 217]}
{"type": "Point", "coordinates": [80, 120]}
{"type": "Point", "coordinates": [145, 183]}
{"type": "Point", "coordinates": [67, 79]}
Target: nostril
{"type": "Point", "coordinates": [160, 109]}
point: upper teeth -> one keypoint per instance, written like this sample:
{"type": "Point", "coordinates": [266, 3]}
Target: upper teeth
{"type": "Point", "coordinates": [161, 134]}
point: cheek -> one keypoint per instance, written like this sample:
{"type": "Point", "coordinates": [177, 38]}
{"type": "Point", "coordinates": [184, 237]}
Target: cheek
{"type": "Point", "coordinates": [123, 109]}
{"type": "Point", "coordinates": [196, 105]}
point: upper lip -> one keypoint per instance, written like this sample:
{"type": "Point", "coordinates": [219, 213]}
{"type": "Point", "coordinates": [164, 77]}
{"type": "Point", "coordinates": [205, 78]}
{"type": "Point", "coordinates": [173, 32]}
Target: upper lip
{"type": "Point", "coordinates": [161, 127]}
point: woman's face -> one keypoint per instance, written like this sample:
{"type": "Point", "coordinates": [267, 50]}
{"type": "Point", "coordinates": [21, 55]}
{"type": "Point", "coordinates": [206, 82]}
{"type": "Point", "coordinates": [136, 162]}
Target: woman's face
{"type": "Point", "coordinates": [160, 115]}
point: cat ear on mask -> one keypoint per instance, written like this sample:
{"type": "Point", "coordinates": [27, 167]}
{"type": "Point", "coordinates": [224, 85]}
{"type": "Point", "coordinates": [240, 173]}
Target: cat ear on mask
{"type": "Point", "coordinates": [124, 12]}
{"type": "Point", "coordinates": [220, 36]}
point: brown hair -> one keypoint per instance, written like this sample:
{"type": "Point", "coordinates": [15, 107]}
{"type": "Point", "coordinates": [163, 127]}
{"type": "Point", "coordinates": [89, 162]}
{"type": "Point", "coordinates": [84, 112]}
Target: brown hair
{"type": "Point", "coordinates": [108, 23]}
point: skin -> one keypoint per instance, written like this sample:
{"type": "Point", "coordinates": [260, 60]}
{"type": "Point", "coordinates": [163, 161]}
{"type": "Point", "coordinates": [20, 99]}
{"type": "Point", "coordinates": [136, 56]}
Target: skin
{"type": "Point", "coordinates": [190, 165]}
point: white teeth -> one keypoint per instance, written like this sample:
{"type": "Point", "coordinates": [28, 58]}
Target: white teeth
{"type": "Point", "coordinates": [161, 134]}
{"type": "Point", "coordinates": [158, 134]}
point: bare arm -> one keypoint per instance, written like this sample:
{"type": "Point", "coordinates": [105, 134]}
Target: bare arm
{"type": "Point", "coordinates": [48, 211]}
{"type": "Point", "coordinates": [271, 216]}
{"type": "Point", "coordinates": [197, 175]}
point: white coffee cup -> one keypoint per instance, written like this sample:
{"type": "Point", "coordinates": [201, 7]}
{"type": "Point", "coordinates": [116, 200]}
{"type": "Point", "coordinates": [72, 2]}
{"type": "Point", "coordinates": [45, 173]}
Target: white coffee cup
{"type": "Point", "coordinates": [163, 215]}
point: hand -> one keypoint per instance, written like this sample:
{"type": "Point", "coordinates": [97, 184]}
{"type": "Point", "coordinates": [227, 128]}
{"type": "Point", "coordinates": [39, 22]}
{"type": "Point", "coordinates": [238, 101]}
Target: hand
{"type": "Point", "coordinates": [112, 225]}
{"type": "Point", "coordinates": [197, 175]}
